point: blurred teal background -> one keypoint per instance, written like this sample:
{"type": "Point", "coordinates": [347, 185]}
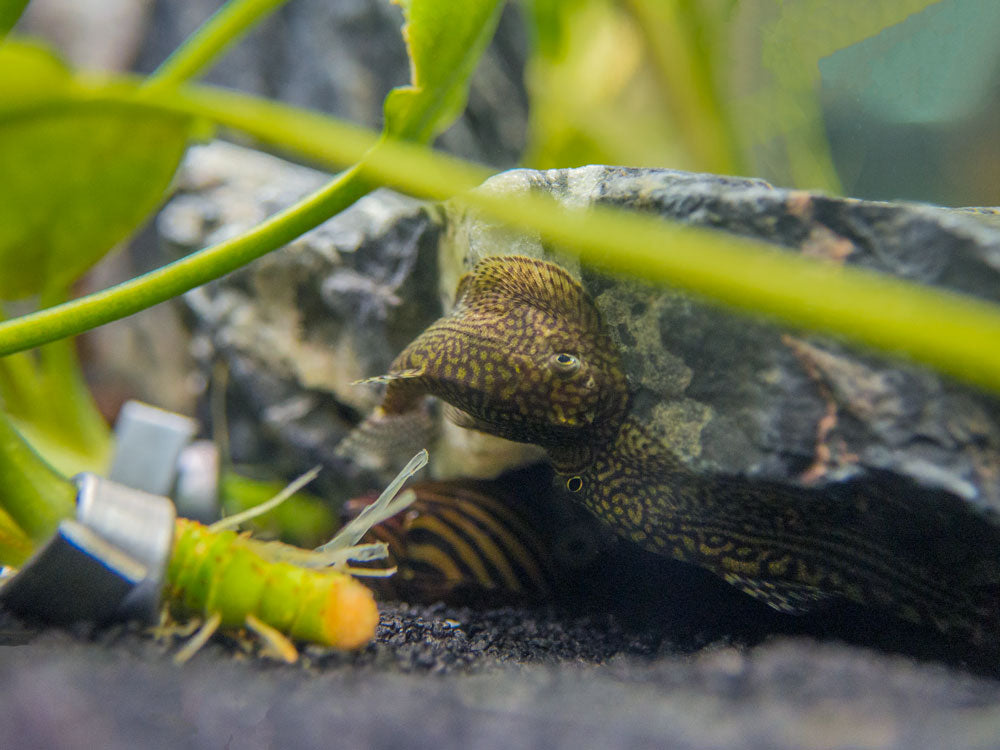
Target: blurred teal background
{"type": "Point", "coordinates": [914, 111]}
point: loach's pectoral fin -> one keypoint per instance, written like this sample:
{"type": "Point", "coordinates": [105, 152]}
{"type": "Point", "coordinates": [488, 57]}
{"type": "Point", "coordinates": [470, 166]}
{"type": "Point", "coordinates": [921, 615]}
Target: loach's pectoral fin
{"type": "Point", "coordinates": [390, 377]}
{"type": "Point", "coordinates": [790, 598]}
{"type": "Point", "coordinates": [405, 390]}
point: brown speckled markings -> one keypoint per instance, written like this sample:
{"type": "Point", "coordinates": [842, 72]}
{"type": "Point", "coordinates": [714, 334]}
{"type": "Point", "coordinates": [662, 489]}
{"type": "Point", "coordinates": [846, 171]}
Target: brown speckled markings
{"type": "Point", "coordinates": [524, 355]}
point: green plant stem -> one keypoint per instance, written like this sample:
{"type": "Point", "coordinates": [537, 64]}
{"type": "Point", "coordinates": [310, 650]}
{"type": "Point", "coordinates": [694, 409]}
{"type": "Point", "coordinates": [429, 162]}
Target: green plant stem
{"type": "Point", "coordinates": [210, 40]}
{"type": "Point", "coordinates": [933, 326]}
{"type": "Point", "coordinates": [305, 133]}
{"type": "Point", "coordinates": [31, 493]}
{"type": "Point", "coordinates": [687, 82]}
{"type": "Point", "coordinates": [939, 328]}
{"type": "Point", "coordinates": [183, 275]}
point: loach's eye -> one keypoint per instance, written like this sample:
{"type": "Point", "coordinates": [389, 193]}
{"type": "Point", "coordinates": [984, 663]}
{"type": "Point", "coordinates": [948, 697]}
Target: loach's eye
{"type": "Point", "coordinates": [565, 364]}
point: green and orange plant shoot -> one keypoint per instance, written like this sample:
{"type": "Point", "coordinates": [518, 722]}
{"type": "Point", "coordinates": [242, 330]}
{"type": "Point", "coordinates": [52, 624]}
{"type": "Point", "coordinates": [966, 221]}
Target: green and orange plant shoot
{"type": "Point", "coordinates": [276, 589]}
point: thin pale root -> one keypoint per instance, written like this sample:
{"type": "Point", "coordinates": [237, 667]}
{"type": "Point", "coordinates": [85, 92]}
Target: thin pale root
{"type": "Point", "coordinates": [275, 643]}
{"type": "Point", "coordinates": [199, 639]}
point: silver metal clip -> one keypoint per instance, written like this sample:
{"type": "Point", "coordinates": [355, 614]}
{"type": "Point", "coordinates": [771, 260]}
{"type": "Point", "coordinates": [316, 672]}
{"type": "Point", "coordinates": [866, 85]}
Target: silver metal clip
{"type": "Point", "coordinates": [107, 564]}
{"type": "Point", "coordinates": [111, 561]}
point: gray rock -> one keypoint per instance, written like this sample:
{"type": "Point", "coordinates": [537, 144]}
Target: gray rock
{"type": "Point", "coordinates": [733, 394]}
{"type": "Point", "coordinates": [92, 34]}
{"type": "Point", "coordinates": [297, 328]}
{"type": "Point", "coordinates": [343, 58]}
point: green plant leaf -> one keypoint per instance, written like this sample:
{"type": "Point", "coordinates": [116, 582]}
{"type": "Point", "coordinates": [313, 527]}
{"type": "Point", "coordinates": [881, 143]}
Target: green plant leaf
{"type": "Point", "coordinates": [594, 99]}
{"type": "Point", "coordinates": [15, 545]}
{"type": "Point", "coordinates": [445, 39]}
{"type": "Point", "coordinates": [32, 495]}
{"type": "Point", "coordinates": [45, 397]}
{"type": "Point", "coordinates": [10, 11]}
{"type": "Point", "coordinates": [29, 74]}
{"type": "Point", "coordinates": [932, 326]}
{"type": "Point", "coordinates": [629, 82]}
{"type": "Point", "coordinates": [78, 177]}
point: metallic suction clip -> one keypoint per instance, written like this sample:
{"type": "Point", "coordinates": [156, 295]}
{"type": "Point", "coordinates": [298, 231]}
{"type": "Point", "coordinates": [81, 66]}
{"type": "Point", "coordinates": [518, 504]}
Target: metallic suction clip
{"type": "Point", "coordinates": [110, 562]}
{"type": "Point", "coordinates": [154, 452]}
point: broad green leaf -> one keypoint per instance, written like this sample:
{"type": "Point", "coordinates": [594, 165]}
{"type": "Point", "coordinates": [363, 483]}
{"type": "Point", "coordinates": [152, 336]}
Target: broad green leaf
{"type": "Point", "coordinates": [445, 39]}
{"type": "Point", "coordinates": [34, 497]}
{"type": "Point", "coordinates": [15, 545]}
{"type": "Point", "coordinates": [546, 21]}
{"type": "Point", "coordinates": [58, 444]}
{"type": "Point", "coordinates": [30, 73]}
{"type": "Point", "coordinates": [10, 11]}
{"type": "Point", "coordinates": [78, 177]}
{"type": "Point", "coordinates": [47, 399]}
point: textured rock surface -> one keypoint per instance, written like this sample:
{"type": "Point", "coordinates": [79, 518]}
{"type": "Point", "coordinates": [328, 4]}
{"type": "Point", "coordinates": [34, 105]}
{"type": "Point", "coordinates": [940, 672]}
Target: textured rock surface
{"type": "Point", "coordinates": [343, 57]}
{"type": "Point", "coordinates": [728, 393]}
{"type": "Point", "coordinates": [294, 330]}
{"type": "Point", "coordinates": [735, 395]}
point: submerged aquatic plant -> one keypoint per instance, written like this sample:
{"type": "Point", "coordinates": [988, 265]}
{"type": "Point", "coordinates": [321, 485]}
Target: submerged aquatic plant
{"type": "Point", "coordinates": [87, 157]}
{"type": "Point", "coordinates": [276, 589]}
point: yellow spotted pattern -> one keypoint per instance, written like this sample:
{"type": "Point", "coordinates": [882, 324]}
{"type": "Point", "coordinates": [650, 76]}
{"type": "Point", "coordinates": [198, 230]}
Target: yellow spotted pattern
{"type": "Point", "coordinates": [492, 357]}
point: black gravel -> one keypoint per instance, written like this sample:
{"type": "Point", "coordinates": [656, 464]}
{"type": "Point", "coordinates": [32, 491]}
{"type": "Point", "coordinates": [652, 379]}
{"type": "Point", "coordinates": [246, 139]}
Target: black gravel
{"type": "Point", "coordinates": [643, 652]}
{"type": "Point", "coordinates": [442, 639]}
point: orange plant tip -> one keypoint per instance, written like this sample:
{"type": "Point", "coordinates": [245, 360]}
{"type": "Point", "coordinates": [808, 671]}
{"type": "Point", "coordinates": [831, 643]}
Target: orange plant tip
{"type": "Point", "coordinates": [351, 615]}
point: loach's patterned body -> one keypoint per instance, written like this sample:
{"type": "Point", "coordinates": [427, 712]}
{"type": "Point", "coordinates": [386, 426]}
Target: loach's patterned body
{"type": "Point", "coordinates": [524, 355]}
